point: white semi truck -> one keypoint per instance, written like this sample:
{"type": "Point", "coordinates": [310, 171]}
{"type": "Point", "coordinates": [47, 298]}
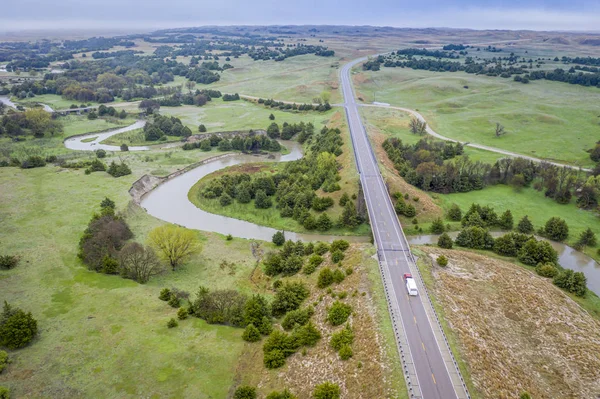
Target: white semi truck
{"type": "Point", "coordinates": [411, 285]}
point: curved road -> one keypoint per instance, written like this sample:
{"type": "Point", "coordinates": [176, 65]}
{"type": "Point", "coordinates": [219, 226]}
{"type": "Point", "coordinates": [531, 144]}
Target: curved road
{"type": "Point", "coordinates": [433, 133]}
{"type": "Point", "coordinates": [427, 361]}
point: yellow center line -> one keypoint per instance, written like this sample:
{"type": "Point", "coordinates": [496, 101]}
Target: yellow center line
{"type": "Point", "coordinates": [423, 345]}
{"type": "Point", "coordinates": [415, 317]}
{"type": "Point", "coordinates": [433, 377]}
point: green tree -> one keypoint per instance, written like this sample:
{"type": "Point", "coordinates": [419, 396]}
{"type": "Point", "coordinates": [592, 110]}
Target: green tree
{"type": "Point", "coordinates": [272, 117]}
{"type": "Point", "coordinates": [445, 241]}
{"type": "Point", "coordinates": [324, 222]}
{"type": "Point", "coordinates": [202, 128]}
{"type": "Point", "coordinates": [289, 297]}
{"type": "Point", "coordinates": [525, 226]}
{"type": "Point", "coordinates": [255, 309]}
{"type": "Point", "coordinates": [4, 393]}
{"type": "Point", "coordinates": [556, 229]}
{"type": "Point", "coordinates": [17, 328]}
{"type": "Point", "coordinates": [327, 390]}
{"type": "Point", "coordinates": [437, 227]}
{"type": "Point", "coordinates": [251, 334]}
{"type": "Point", "coordinates": [475, 237]}
{"type": "Point", "coordinates": [573, 282]}
{"type": "Point", "coordinates": [261, 200]}
{"type": "Point", "coordinates": [245, 392]}
{"type": "Point", "coordinates": [586, 239]}
{"type": "Point", "coordinates": [534, 252]}
{"type": "Point", "coordinates": [442, 261]}
{"type": "Point", "coordinates": [325, 278]}
{"type": "Point", "coordinates": [182, 313]}
{"type": "Point", "coordinates": [278, 238]}
{"type": "Point", "coordinates": [285, 394]}
{"type": "Point", "coordinates": [345, 352]}
{"type": "Point", "coordinates": [3, 360]}
{"type": "Point", "coordinates": [225, 199]}
{"type": "Point", "coordinates": [506, 220]}
{"type": "Point", "coordinates": [337, 256]}
{"type": "Point", "coordinates": [338, 313]}
{"type": "Point", "coordinates": [341, 338]}
{"type": "Point", "coordinates": [454, 213]}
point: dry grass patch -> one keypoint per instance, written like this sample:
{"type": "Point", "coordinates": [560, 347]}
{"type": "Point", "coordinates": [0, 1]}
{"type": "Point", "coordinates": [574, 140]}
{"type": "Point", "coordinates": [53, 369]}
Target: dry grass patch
{"type": "Point", "coordinates": [516, 330]}
{"type": "Point", "coordinates": [366, 375]}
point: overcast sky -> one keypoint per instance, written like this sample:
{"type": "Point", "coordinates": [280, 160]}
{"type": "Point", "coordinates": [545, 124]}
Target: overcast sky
{"type": "Point", "coordinates": [156, 14]}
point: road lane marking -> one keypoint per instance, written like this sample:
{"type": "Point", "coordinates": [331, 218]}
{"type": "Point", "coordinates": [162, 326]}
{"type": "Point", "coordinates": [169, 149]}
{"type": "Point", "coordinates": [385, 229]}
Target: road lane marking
{"type": "Point", "coordinates": [415, 317]}
{"type": "Point", "coordinates": [423, 345]}
{"type": "Point", "coordinates": [433, 378]}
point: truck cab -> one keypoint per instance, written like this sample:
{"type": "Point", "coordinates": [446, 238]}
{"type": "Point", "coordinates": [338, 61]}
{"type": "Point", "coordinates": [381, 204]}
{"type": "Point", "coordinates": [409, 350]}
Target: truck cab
{"type": "Point", "coordinates": [411, 285]}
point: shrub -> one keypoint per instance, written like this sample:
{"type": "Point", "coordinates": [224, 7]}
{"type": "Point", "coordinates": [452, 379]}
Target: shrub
{"type": "Point", "coordinates": [556, 229]}
{"type": "Point", "coordinates": [534, 252]}
{"type": "Point", "coordinates": [546, 270]}
{"type": "Point", "coordinates": [251, 334]}
{"type": "Point", "coordinates": [8, 262]}
{"type": "Point", "coordinates": [454, 213]}
{"type": "Point", "coordinates": [182, 313]}
{"type": "Point", "coordinates": [202, 128]}
{"type": "Point", "coordinates": [3, 361]}
{"type": "Point", "coordinates": [349, 271]}
{"type": "Point", "coordinates": [278, 238]}
{"type": "Point", "coordinates": [344, 337]}
{"type": "Point", "coordinates": [327, 390]}
{"type": "Point", "coordinates": [174, 301]}
{"type": "Point", "coordinates": [337, 256]}
{"type": "Point", "coordinates": [338, 276]}
{"type": "Point", "coordinates": [33, 161]}
{"type": "Point", "coordinates": [309, 269]}
{"type": "Point", "coordinates": [587, 238]}
{"type": "Point", "coordinates": [285, 394]}
{"type": "Point", "coordinates": [118, 170]}
{"type": "Point", "coordinates": [325, 278]}
{"type": "Point", "coordinates": [306, 335]}
{"type": "Point", "coordinates": [510, 244]}
{"type": "Point", "coordinates": [315, 260]}
{"type": "Point", "coordinates": [298, 317]}
{"type": "Point", "coordinates": [225, 199]}
{"type": "Point", "coordinates": [321, 248]}
{"type": "Point", "coordinates": [124, 147]}
{"type": "Point", "coordinates": [338, 313]}
{"type": "Point", "coordinates": [437, 227]}
{"type": "Point", "coordinates": [17, 328]}
{"type": "Point", "coordinates": [274, 359]}
{"type": "Point", "coordinates": [4, 393]}
{"type": "Point", "coordinates": [229, 237]}
{"type": "Point", "coordinates": [291, 265]}
{"type": "Point", "coordinates": [410, 211]}
{"type": "Point", "coordinates": [475, 237]}
{"type": "Point", "coordinates": [256, 309]}
{"type": "Point", "coordinates": [442, 261]}
{"type": "Point", "coordinates": [100, 153]}
{"type": "Point", "coordinates": [340, 245]}
{"type": "Point", "coordinates": [165, 294]}
{"type": "Point", "coordinates": [570, 281]}
{"type": "Point", "coordinates": [345, 352]}
{"type": "Point", "coordinates": [506, 220]}
{"type": "Point", "coordinates": [172, 323]}
{"type": "Point", "coordinates": [525, 226]}
{"type": "Point", "coordinates": [224, 306]}
{"type": "Point", "coordinates": [445, 241]}
{"type": "Point", "coordinates": [245, 392]}
{"type": "Point", "coordinates": [289, 297]}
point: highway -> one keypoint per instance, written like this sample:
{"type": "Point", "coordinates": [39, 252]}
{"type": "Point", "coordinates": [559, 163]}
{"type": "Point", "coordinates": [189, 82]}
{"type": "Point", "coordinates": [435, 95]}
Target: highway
{"type": "Point", "coordinates": [429, 358]}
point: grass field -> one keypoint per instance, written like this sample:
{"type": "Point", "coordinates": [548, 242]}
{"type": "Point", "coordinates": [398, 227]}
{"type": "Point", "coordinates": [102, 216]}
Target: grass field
{"type": "Point", "coordinates": [561, 116]}
{"type": "Point", "coordinates": [219, 116]}
{"type": "Point", "coordinates": [53, 145]}
{"type": "Point", "coordinates": [55, 101]}
{"type": "Point", "coordinates": [299, 78]}
{"type": "Point", "coordinates": [104, 326]}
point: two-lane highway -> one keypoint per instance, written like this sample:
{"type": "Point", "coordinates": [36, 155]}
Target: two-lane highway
{"type": "Point", "coordinates": [434, 378]}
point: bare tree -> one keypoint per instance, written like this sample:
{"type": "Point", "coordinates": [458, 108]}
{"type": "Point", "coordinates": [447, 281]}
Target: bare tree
{"type": "Point", "coordinates": [499, 130]}
{"type": "Point", "coordinates": [139, 263]}
{"type": "Point", "coordinates": [190, 84]}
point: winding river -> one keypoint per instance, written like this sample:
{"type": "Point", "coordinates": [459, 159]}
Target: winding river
{"type": "Point", "coordinates": [169, 202]}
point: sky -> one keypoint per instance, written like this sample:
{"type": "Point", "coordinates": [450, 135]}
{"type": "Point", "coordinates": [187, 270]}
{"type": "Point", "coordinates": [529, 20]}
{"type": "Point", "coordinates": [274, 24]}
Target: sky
{"type": "Point", "coordinates": [579, 15]}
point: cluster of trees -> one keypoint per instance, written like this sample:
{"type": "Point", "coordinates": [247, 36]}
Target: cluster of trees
{"type": "Point", "coordinates": [326, 390]}
{"type": "Point", "coordinates": [161, 126]}
{"type": "Point", "coordinates": [250, 142]}
{"type": "Point", "coordinates": [104, 246]}
{"type": "Point", "coordinates": [231, 97]}
{"type": "Point", "coordinates": [293, 106]}
{"type": "Point", "coordinates": [429, 53]}
{"type": "Point", "coordinates": [520, 243]}
{"type": "Point", "coordinates": [34, 121]}
{"type": "Point", "coordinates": [426, 165]}
{"type": "Point", "coordinates": [489, 67]}
{"type": "Point", "coordinates": [292, 189]}
{"type": "Point", "coordinates": [279, 54]}
{"type": "Point", "coordinates": [103, 110]}
{"type": "Point", "coordinates": [287, 131]}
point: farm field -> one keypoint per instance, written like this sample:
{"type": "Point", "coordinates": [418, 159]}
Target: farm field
{"type": "Point", "coordinates": [466, 107]}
